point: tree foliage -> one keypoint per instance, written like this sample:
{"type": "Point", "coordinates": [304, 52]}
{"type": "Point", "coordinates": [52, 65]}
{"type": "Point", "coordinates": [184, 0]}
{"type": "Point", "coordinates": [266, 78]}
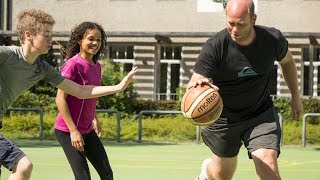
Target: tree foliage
{"type": "Point", "coordinates": [123, 101]}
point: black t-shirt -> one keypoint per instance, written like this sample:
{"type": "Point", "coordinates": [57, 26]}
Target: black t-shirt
{"type": "Point", "coordinates": [242, 73]}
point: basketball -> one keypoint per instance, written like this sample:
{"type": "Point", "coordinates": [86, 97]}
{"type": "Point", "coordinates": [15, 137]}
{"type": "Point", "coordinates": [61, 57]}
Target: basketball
{"type": "Point", "coordinates": [202, 105]}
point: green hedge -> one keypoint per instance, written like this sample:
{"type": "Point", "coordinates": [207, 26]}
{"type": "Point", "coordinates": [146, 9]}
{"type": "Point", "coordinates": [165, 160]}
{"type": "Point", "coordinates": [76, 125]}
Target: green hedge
{"type": "Point", "coordinates": [155, 129]}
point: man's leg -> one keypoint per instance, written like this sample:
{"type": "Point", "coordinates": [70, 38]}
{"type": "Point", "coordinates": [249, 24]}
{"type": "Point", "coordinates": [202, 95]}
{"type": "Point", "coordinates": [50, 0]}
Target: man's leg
{"type": "Point", "coordinates": [224, 141]}
{"type": "Point", "coordinates": [265, 161]}
{"type": "Point", "coordinates": [221, 168]}
{"type": "Point", "coordinates": [263, 144]}
{"type": "Point", "coordinates": [22, 170]}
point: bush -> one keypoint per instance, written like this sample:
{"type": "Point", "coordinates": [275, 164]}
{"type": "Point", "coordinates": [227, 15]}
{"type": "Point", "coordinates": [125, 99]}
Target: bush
{"type": "Point", "coordinates": [31, 100]}
{"type": "Point", "coordinates": [165, 129]}
{"type": "Point", "coordinates": [123, 101]}
{"type": "Point", "coordinates": [311, 105]}
{"type": "Point", "coordinates": [142, 104]}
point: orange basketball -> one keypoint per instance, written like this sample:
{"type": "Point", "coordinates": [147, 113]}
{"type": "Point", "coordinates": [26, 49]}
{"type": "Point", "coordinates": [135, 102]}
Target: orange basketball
{"type": "Point", "coordinates": [202, 105]}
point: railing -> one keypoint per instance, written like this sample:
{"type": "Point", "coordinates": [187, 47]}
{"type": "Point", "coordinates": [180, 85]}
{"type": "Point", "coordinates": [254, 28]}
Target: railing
{"type": "Point", "coordinates": [118, 120]}
{"type": "Point", "coordinates": [304, 126]}
{"type": "Point", "coordinates": [160, 112]}
{"type": "Point", "coordinates": [281, 125]}
{"type": "Point", "coordinates": [166, 96]}
{"type": "Point", "coordinates": [39, 110]}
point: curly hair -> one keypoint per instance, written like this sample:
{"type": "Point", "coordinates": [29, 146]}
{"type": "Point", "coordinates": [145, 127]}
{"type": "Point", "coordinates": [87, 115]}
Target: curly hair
{"type": "Point", "coordinates": [32, 20]}
{"type": "Point", "coordinates": [78, 33]}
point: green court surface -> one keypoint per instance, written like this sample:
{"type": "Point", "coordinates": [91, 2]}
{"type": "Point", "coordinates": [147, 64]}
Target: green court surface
{"type": "Point", "coordinates": [133, 161]}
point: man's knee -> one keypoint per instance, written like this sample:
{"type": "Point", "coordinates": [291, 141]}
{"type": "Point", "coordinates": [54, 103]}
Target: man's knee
{"type": "Point", "coordinates": [222, 168]}
{"type": "Point", "coordinates": [265, 161]}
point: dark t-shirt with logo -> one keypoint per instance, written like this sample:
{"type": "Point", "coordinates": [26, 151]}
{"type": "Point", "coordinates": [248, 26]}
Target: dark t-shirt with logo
{"type": "Point", "coordinates": [243, 73]}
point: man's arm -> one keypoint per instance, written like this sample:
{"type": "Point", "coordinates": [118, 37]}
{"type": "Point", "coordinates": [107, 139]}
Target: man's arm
{"type": "Point", "coordinates": [90, 91]}
{"type": "Point", "coordinates": [289, 72]}
{"type": "Point", "coordinates": [198, 79]}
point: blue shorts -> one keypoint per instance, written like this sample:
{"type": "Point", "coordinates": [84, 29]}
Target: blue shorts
{"type": "Point", "coordinates": [262, 131]}
{"type": "Point", "coordinates": [10, 154]}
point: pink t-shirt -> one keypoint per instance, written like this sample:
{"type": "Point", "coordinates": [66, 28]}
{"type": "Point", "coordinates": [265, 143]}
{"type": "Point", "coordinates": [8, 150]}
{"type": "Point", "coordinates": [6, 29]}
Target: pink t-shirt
{"type": "Point", "coordinates": [82, 111]}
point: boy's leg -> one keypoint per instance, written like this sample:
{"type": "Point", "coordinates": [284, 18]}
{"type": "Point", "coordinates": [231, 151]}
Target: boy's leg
{"type": "Point", "coordinates": [97, 155]}
{"type": "Point", "coordinates": [77, 159]}
{"type": "Point", "coordinates": [14, 160]}
{"type": "Point", "coordinates": [22, 170]}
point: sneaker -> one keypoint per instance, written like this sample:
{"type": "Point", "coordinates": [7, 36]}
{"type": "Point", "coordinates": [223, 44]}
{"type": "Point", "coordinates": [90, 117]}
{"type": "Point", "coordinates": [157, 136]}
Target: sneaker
{"type": "Point", "coordinates": [203, 174]}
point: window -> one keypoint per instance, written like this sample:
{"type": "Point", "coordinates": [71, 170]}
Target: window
{"type": "Point", "coordinates": [170, 71]}
{"type": "Point", "coordinates": [1, 15]}
{"type": "Point", "coordinates": [122, 54]}
{"type": "Point", "coordinates": [307, 75]}
{"type": "Point", "coordinates": [6, 15]}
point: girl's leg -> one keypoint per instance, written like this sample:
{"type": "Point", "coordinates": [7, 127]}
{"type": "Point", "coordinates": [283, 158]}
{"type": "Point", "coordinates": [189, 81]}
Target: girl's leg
{"type": "Point", "coordinates": [97, 155]}
{"type": "Point", "coordinates": [77, 159]}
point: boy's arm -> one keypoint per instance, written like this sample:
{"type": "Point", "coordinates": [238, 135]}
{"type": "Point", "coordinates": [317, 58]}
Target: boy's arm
{"type": "Point", "coordinates": [90, 91]}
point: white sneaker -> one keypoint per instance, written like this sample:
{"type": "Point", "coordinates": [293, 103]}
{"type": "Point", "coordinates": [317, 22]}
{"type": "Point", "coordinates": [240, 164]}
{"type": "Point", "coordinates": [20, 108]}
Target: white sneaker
{"type": "Point", "coordinates": [203, 174]}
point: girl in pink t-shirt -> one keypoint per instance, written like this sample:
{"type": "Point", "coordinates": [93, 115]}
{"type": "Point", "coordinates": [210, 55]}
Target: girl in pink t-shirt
{"type": "Point", "coordinates": [77, 127]}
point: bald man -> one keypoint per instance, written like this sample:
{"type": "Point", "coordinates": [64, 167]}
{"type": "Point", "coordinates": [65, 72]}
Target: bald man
{"type": "Point", "coordinates": [238, 61]}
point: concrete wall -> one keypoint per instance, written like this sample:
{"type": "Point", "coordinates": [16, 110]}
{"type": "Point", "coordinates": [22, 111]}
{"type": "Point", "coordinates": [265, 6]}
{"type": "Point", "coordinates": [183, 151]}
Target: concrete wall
{"type": "Point", "coordinates": [170, 15]}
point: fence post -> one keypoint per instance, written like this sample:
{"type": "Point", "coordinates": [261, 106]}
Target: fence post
{"type": "Point", "coordinates": [281, 126]}
{"type": "Point", "coordinates": [118, 120]}
{"type": "Point", "coordinates": [304, 126]}
{"type": "Point", "coordinates": [40, 116]}
{"type": "Point", "coordinates": [198, 134]}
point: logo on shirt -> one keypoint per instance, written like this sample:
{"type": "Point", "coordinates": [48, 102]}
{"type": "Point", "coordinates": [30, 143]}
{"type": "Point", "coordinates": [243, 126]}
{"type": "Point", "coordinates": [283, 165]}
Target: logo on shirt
{"type": "Point", "coordinates": [246, 71]}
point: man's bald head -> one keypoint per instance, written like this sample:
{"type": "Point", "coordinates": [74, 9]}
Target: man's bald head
{"type": "Point", "coordinates": [241, 6]}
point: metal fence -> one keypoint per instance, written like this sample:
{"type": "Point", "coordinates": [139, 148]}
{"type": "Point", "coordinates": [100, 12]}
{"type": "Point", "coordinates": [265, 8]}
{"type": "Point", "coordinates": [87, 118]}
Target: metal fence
{"type": "Point", "coordinates": [304, 126]}
{"type": "Point", "coordinates": [144, 112]}
{"type": "Point", "coordinates": [110, 111]}
{"type": "Point", "coordinates": [39, 110]}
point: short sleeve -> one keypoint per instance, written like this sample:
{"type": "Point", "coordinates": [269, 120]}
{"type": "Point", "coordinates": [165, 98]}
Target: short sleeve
{"type": "Point", "coordinates": [206, 63]}
{"type": "Point", "coordinates": [4, 54]}
{"type": "Point", "coordinates": [52, 76]}
{"type": "Point", "coordinates": [69, 70]}
{"type": "Point", "coordinates": [282, 46]}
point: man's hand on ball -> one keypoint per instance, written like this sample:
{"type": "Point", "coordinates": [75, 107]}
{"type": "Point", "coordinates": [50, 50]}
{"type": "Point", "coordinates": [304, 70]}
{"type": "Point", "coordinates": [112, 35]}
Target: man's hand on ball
{"type": "Point", "coordinates": [203, 81]}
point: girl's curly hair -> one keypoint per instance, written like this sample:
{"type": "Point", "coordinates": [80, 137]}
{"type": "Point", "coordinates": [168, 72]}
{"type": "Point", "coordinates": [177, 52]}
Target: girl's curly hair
{"type": "Point", "coordinates": [77, 35]}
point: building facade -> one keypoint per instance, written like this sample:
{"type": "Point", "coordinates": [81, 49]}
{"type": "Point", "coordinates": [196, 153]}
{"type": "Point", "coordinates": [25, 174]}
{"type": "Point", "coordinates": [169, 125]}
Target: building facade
{"type": "Point", "coordinates": [164, 37]}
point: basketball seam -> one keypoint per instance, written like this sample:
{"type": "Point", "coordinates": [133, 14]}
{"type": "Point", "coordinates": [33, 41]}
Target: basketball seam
{"type": "Point", "coordinates": [208, 111]}
{"type": "Point", "coordinates": [196, 102]}
{"type": "Point", "coordinates": [186, 110]}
